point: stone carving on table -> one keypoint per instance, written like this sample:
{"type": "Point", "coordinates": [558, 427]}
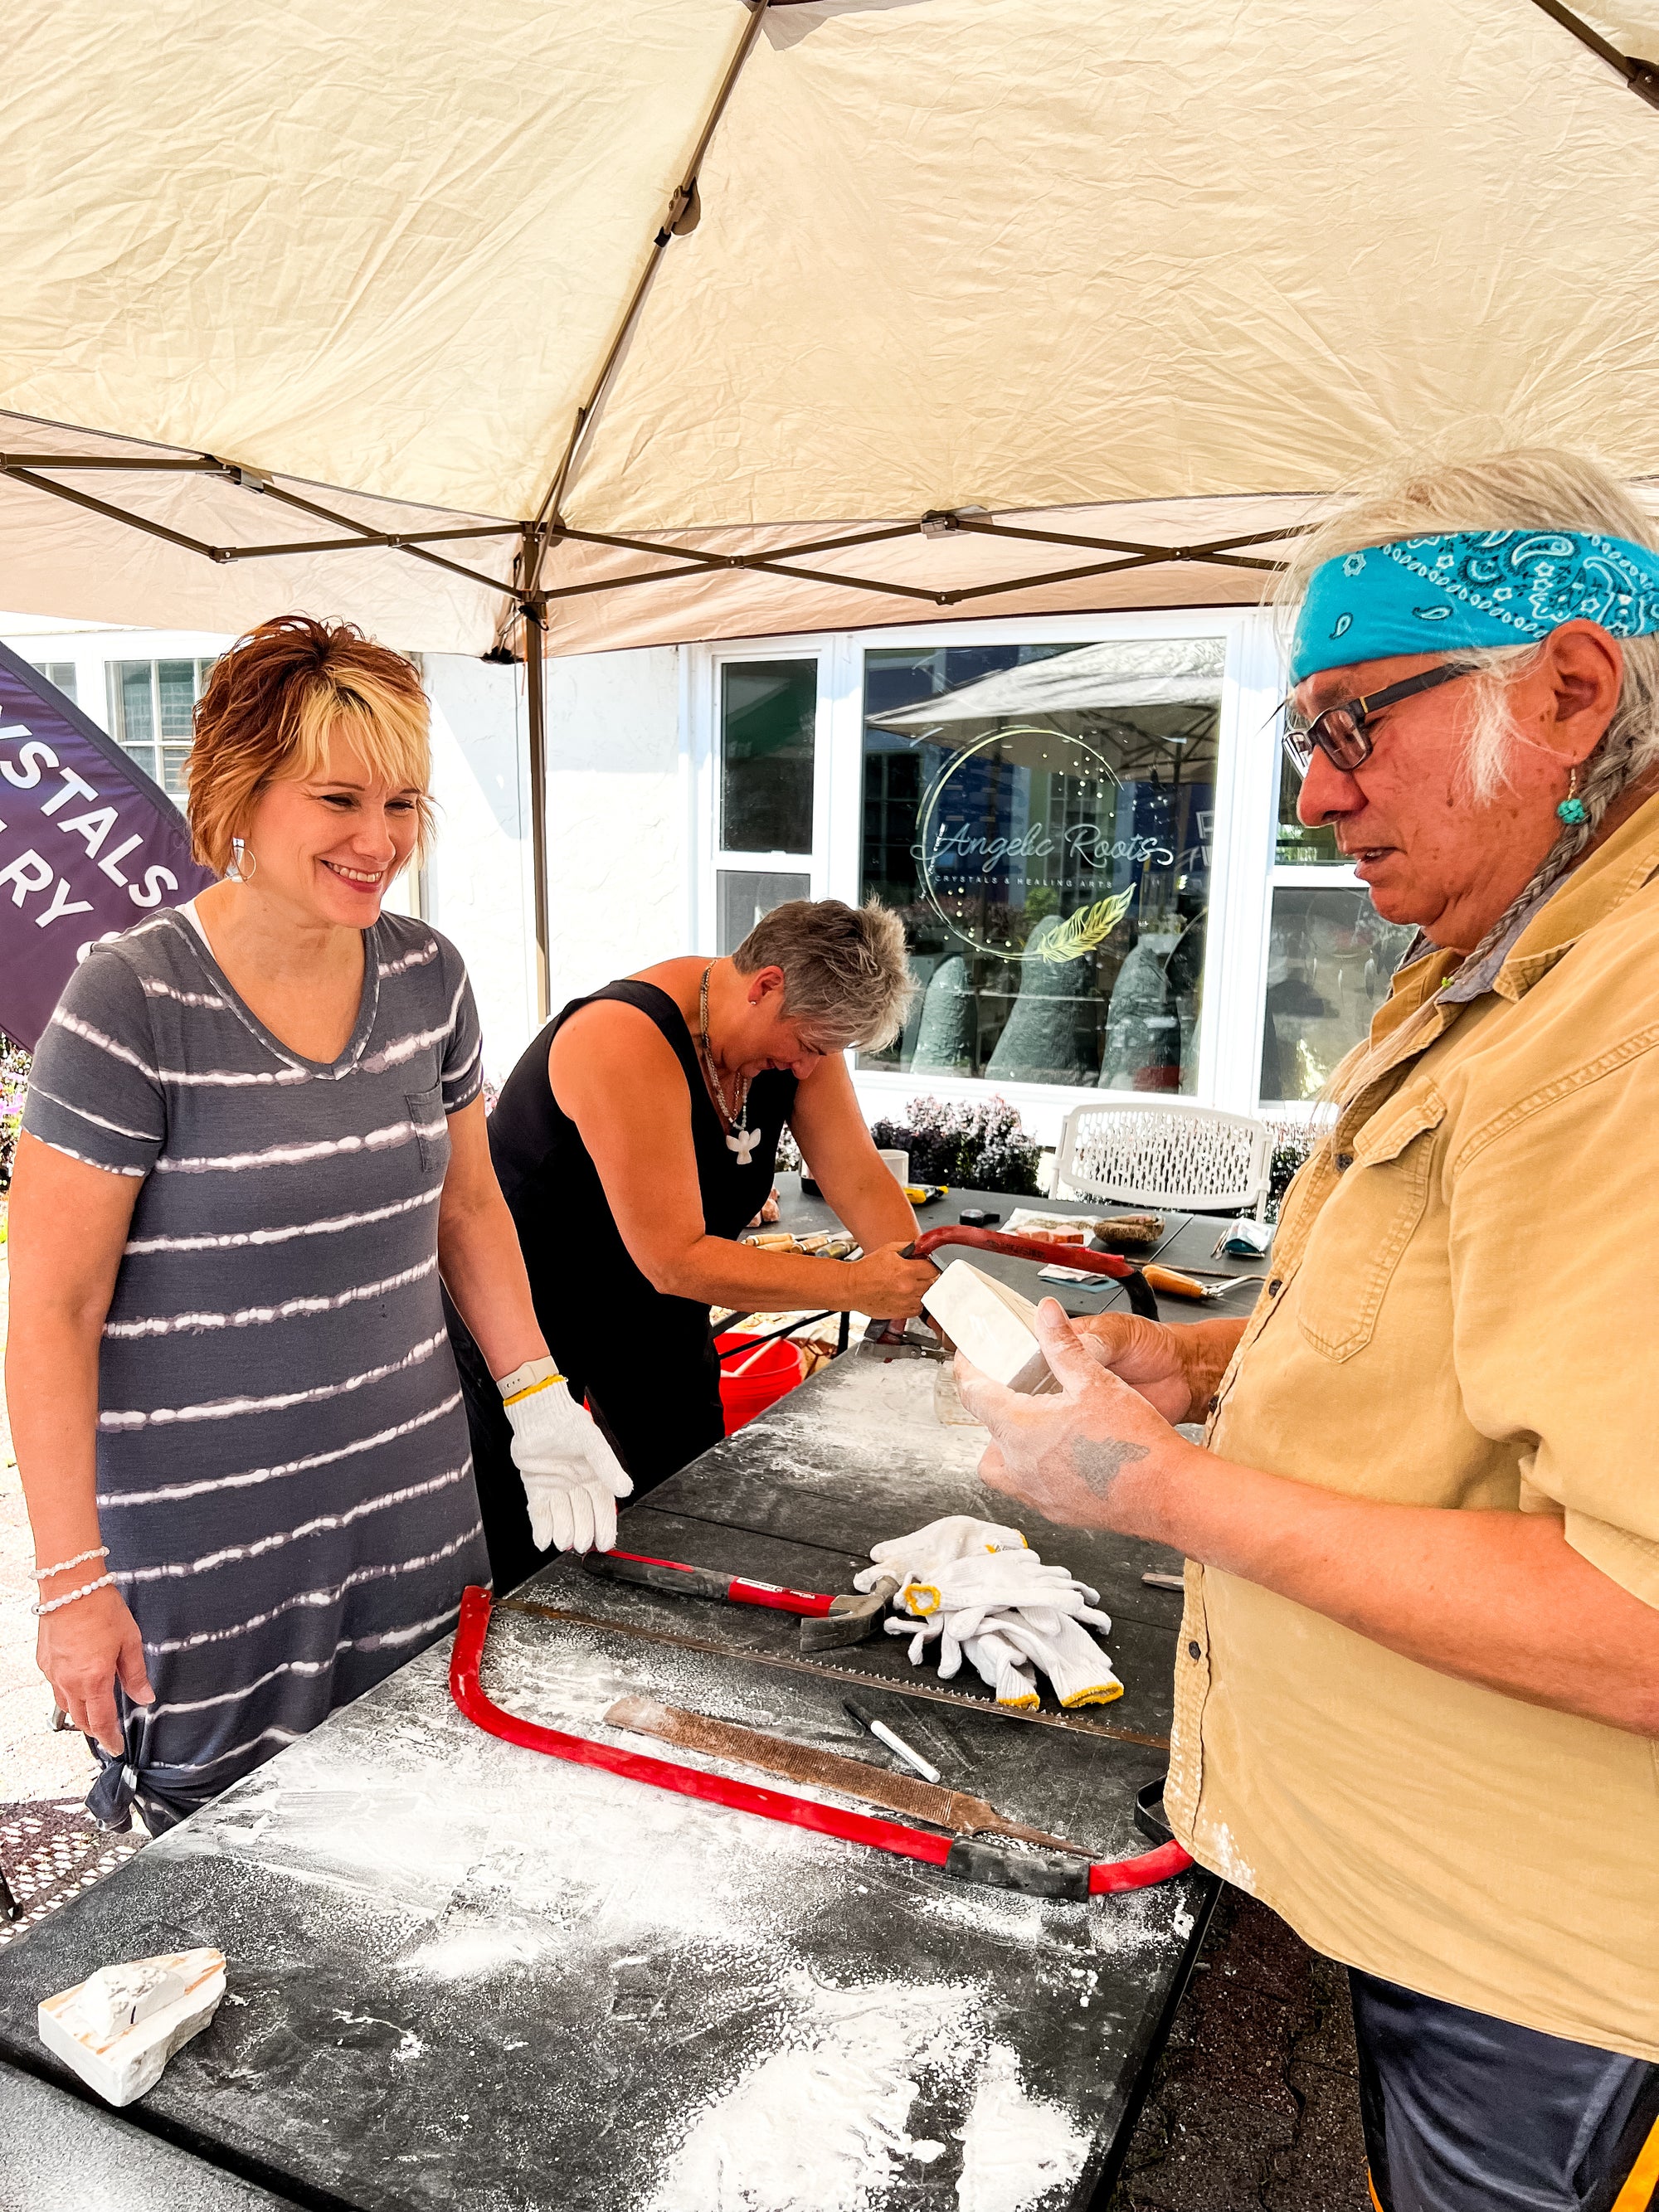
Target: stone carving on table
{"type": "Point", "coordinates": [946, 1034]}
{"type": "Point", "coordinates": [993, 1324]}
{"type": "Point", "coordinates": [1039, 1042]}
{"type": "Point", "coordinates": [119, 2028]}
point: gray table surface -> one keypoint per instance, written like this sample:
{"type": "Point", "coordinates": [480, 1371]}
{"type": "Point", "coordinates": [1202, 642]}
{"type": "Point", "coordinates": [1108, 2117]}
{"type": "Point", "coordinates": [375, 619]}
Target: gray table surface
{"type": "Point", "coordinates": [59, 2154]}
{"type": "Point", "coordinates": [467, 1975]}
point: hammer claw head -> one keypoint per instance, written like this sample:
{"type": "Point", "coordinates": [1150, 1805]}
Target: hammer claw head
{"type": "Point", "coordinates": [851, 1620]}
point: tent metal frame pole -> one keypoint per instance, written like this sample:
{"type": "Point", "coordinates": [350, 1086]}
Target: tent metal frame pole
{"type": "Point", "coordinates": [1642, 76]}
{"type": "Point", "coordinates": [681, 216]}
{"type": "Point", "coordinates": [22, 468]}
{"type": "Point", "coordinates": [535, 689]}
{"type": "Point", "coordinates": [535, 539]}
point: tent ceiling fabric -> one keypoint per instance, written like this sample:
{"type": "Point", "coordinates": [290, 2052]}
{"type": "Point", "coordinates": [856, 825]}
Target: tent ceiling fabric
{"type": "Point", "coordinates": [1203, 261]}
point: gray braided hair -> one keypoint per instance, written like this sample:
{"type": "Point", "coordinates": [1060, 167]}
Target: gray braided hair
{"type": "Point", "coordinates": [1526, 487]}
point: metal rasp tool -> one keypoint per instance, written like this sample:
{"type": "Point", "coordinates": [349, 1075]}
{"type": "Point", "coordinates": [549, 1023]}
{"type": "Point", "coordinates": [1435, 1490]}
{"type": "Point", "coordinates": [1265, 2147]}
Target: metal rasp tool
{"type": "Point", "coordinates": [951, 1809]}
{"type": "Point", "coordinates": [828, 1619]}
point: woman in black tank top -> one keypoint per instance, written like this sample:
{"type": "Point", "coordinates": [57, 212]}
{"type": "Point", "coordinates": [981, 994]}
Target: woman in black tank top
{"type": "Point", "coordinates": [630, 1184]}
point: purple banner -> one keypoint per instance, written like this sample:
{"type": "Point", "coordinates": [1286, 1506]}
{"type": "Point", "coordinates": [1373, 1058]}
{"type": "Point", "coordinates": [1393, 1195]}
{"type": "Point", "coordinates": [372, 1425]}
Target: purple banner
{"type": "Point", "coordinates": [89, 845]}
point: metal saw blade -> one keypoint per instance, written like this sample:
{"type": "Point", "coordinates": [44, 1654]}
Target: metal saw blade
{"type": "Point", "coordinates": [932, 1692]}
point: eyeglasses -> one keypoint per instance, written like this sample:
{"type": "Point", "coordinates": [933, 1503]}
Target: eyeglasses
{"type": "Point", "coordinates": [1339, 733]}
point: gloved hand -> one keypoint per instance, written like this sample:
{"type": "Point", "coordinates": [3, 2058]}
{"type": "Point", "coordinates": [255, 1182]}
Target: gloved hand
{"type": "Point", "coordinates": [955, 1537]}
{"type": "Point", "coordinates": [572, 1478]}
{"type": "Point", "coordinates": [1066, 1652]}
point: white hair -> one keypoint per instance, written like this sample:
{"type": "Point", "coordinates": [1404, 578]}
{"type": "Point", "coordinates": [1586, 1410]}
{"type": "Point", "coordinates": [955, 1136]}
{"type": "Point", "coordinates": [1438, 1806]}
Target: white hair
{"type": "Point", "coordinates": [1526, 487]}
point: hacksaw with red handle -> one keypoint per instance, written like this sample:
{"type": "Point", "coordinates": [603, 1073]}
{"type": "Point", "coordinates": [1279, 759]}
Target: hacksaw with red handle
{"type": "Point", "coordinates": [1041, 1874]}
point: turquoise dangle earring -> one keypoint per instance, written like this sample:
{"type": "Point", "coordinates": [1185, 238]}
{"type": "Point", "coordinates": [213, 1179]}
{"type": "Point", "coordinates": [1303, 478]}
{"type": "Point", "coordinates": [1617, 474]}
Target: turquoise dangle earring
{"type": "Point", "coordinates": [1572, 809]}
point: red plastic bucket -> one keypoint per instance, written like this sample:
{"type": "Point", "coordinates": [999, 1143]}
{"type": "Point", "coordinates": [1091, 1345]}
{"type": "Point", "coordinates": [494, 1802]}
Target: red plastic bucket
{"type": "Point", "coordinates": [767, 1375]}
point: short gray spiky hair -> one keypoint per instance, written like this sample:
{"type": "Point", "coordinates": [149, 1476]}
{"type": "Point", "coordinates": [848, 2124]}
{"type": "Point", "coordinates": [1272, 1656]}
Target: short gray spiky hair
{"type": "Point", "coordinates": [846, 976]}
{"type": "Point", "coordinates": [1525, 487]}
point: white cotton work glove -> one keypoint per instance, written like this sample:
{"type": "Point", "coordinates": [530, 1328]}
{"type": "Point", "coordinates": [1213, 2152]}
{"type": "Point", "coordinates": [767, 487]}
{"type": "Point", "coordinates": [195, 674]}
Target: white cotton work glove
{"type": "Point", "coordinates": [955, 1537]}
{"type": "Point", "coordinates": [572, 1478]}
{"type": "Point", "coordinates": [1001, 1666]}
{"type": "Point", "coordinates": [1065, 1651]}
{"type": "Point", "coordinates": [963, 1592]}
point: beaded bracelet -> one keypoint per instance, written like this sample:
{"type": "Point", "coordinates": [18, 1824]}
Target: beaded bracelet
{"type": "Point", "coordinates": [86, 1589]}
{"type": "Point", "coordinates": [45, 1574]}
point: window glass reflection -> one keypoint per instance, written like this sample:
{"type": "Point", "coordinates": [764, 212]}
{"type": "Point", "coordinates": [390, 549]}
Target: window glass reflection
{"type": "Point", "coordinates": [769, 720]}
{"type": "Point", "coordinates": [1330, 959]}
{"type": "Point", "coordinates": [1297, 846]}
{"type": "Point", "coordinates": [1041, 816]}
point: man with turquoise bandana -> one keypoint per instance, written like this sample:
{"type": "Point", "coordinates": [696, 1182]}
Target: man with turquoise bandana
{"type": "Point", "coordinates": [1417, 1693]}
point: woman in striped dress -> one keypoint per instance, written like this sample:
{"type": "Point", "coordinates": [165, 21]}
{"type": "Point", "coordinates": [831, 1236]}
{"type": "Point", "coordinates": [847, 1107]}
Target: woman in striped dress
{"type": "Point", "coordinates": [254, 1141]}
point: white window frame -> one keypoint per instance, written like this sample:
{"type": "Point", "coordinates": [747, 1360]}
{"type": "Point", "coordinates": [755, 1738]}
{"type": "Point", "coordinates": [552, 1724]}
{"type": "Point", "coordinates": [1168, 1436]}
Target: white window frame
{"type": "Point", "coordinates": [1242, 865]}
{"type": "Point", "coordinates": [709, 856]}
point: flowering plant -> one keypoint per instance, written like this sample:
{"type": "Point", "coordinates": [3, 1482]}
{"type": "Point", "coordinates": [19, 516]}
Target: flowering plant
{"type": "Point", "coordinates": [14, 1083]}
{"type": "Point", "coordinates": [978, 1146]}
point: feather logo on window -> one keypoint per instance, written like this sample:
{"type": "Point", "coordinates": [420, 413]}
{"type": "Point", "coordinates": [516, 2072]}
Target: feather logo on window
{"type": "Point", "coordinates": [1086, 930]}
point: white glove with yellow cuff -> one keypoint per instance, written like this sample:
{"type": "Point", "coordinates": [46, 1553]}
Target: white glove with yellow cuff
{"type": "Point", "coordinates": [572, 1478]}
{"type": "Point", "coordinates": [958, 1536]}
{"type": "Point", "coordinates": [974, 1591]}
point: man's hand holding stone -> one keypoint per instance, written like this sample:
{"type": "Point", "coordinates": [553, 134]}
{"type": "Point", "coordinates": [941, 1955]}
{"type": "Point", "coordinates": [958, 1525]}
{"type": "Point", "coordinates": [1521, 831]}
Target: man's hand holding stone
{"type": "Point", "coordinates": [1099, 1455]}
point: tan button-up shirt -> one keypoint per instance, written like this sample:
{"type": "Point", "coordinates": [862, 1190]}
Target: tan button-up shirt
{"type": "Point", "coordinates": [1464, 1313]}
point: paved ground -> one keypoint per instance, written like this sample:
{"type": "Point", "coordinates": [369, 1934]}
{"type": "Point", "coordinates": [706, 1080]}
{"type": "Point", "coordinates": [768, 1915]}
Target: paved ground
{"type": "Point", "coordinates": [1256, 2104]}
{"type": "Point", "coordinates": [1255, 2107]}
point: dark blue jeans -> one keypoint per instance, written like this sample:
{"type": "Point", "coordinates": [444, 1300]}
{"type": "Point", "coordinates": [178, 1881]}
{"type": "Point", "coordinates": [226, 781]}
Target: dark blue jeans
{"type": "Point", "coordinates": [1465, 2113]}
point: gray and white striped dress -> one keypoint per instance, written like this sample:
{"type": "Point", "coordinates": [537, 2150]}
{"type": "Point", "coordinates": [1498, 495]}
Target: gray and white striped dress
{"type": "Point", "coordinates": [283, 1476]}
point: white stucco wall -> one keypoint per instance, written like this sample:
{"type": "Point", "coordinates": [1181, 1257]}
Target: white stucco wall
{"type": "Point", "coordinates": [477, 880]}
{"type": "Point", "coordinates": [618, 829]}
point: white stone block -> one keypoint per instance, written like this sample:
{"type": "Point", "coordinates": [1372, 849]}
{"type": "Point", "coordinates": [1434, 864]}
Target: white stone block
{"type": "Point", "coordinates": [993, 1325]}
{"type": "Point", "coordinates": [119, 2028]}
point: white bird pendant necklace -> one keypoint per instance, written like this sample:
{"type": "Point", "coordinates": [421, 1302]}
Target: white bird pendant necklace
{"type": "Point", "coordinates": [740, 1137]}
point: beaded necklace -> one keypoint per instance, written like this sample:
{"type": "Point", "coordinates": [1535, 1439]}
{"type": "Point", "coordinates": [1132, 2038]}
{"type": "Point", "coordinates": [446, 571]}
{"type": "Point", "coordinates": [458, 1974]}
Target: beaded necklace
{"type": "Point", "coordinates": [740, 1137]}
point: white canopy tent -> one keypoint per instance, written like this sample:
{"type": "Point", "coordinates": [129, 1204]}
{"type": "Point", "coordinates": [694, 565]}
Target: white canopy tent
{"type": "Point", "coordinates": [700, 319]}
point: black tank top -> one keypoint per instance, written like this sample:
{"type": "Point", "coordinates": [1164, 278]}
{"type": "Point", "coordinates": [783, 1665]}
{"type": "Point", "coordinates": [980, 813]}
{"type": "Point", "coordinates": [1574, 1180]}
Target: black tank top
{"type": "Point", "coordinates": [585, 1285]}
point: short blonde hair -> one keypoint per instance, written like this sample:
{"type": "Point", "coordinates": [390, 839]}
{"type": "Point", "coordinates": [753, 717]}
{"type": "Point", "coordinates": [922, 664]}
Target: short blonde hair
{"type": "Point", "coordinates": [846, 975]}
{"type": "Point", "coordinates": [270, 706]}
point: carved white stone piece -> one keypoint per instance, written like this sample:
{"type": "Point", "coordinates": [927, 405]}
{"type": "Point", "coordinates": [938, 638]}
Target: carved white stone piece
{"type": "Point", "coordinates": [119, 2028]}
{"type": "Point", "coordinates": [993, 1324]}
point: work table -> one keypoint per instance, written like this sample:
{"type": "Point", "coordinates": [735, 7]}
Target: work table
{"type": "Point", "coordinates": [463, 1974]}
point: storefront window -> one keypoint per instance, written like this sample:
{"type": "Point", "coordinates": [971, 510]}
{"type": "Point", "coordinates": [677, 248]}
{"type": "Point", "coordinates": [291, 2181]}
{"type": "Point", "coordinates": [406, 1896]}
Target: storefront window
{"type": "Point", "coordinates": [1041, 816]}
{"type": "Point", "coordinates": [1296, 847]}
{"type": "Point", "coordinates": [742, 898]}
{"type": "Point", "coordinates": [151, 707]}
{"type": "Point", "coordinates": [1330, 958]}
{"type": "Point", "coordinates": [768, 720]}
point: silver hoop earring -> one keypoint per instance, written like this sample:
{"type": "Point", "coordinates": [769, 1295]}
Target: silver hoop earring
{"type": "Point", "coordinates": [244, 863]}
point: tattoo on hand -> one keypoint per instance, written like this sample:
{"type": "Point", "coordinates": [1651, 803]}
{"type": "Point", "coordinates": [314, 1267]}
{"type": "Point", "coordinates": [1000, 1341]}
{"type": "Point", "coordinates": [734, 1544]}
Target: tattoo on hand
{"type": "Point", "coordinates": [1100, 1463]}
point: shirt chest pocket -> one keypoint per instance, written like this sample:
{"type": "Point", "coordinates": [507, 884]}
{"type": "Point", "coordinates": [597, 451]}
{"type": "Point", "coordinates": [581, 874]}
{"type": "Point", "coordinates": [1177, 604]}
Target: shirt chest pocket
{"type": "Point", "coordinates": [426, 1111]}
{"type": "Point", "coordinates": [1365, 1224]}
